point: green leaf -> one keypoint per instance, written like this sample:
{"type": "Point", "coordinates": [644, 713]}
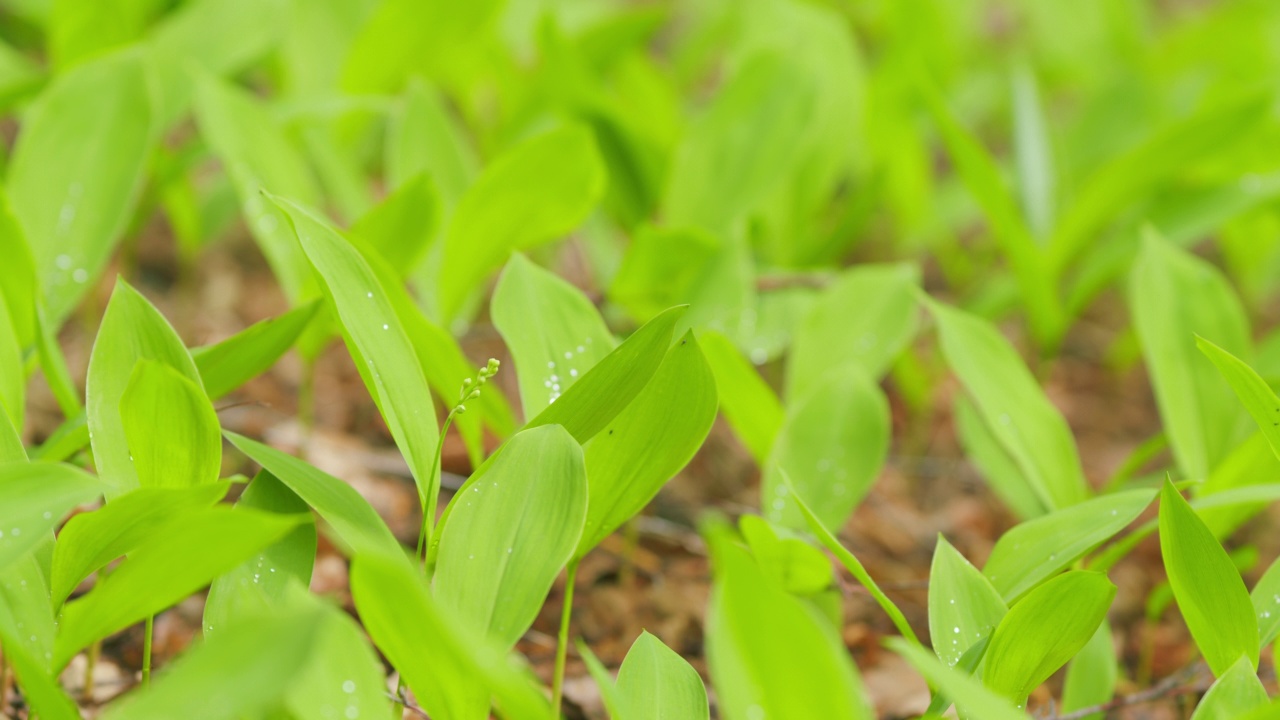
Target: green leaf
{"type": "Point", "coordinates": [1266, 604]}
{"type": "Point", "coordinates": [832, 446]}
{"type": "Point", "coordinates": [1254, 392]}
{"type": "Point", "coordinates": [91, 540]}
{"type": "Point", "coordinates": [230, 363]}
{"type": "Point", "coordinates": [402, 226]}
{"type": "Point", "coordinates": [1173, 296]}
{"type": "Point", "coordinates": [798, 567]}
{"type": "Point", "coordinates": [76, 172]}
{"type": "Point", "coordinates": [13, 378]}
{"type": "Point", "coordinates": [748, 403]}
{"type": "Point", "coordinates": [171, 428]}
{"type": "Point", "coordinates": [424, 139]}
{"type": "Point", "coordinates": [666, 266]}
{"type": "Point", "coordinates": [509, 532]}
{"type": "Point", "coordinates": [646, 444]}
{"type": "Point", "coordinates": [1045, 629]}
{"type": "Point", "coordinates": [984, 450]}
{"type": "Point", "coordinates": [772, 653]}
{"type": "Point", "coordinates": [376, 341]}
{"type": "Point", "coordinates": [258, 657]}
{"type": "Point", "coordinates": [553, 331]}
{"type": "Point", "coordinates": [1236, 692]}
{"type": "Point", "coordinates": [11, 449]}
{"type": "Point", "coordinates": [186, 554]}
{"type": "Point", "coordinates": [532, 194]}
{"type": "Point", "coordinates": [131, 330]}
{"type": "Point", "coordinates": [606, 389]}
{"type": "Point", "coordinates": [656, 683]}
{"type": "Point", "coordinates": [34, 497]}
{"type": "Point", "coordinates": [854, 566]}
{"type": "Point", "coordinates": [216, 36]}
{"type": "Point", "coordinates": [355, 524]}
{"type": "Point", "coordinates": [343, 677]}
{"type": "Point", "coordinates": [80, 29]}
{"type": "Point", "coordinates": [26, 613]}
{"type": "Point", "coordinates": [968, 693]}
{"type": "Point", "coordinates": [257, 154]}
{"type": "Point", "coordinates": [734, 154]}
{"type": "Point", "coordinates": [41, 691]}
{"type": "Point", "coordinates": [1033, 151]}
{"type": "Point", "coordinates": [1209, 590]}
{"type": "Point", "coordinates": [982, 177]}
{"type": "Point", "coordinates": [963, 606]}
{"type": "Point", "coordinates": [1013, 405]}
{"type": "Point", "coordinates": [400, 615]}
{"type": "Point", "coordinates": [604, 681]}
{"type": "Point", "coordinates": [1092, 674]}
{"type": "Point", "coordinates": [1039, 548]}
{"type": "Point", "coordinates": [263, 580]}
{"type": "Point", "coordinates": [866, 317]}
{"type": "Point", "coordinates": [19, 283]}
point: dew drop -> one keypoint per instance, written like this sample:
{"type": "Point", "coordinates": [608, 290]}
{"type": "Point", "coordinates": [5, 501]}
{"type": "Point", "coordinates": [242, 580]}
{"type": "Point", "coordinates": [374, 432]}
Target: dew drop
{"type": "Point", "coordinates": [349, 687]}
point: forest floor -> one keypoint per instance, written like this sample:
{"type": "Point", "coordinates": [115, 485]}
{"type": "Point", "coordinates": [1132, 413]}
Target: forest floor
{"type": "Point", "coordinates": [926, 488]}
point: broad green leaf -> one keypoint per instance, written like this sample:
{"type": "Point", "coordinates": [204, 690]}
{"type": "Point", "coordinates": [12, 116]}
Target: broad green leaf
{"type": "Point", "coordinates": [735, 153]}
{"type": "Point", "coordinates": [1091, 674]}
{"type": "Point", "coordinates": [171, 428]}
{"type": "Point", "coordinates": [441, 40]}
{"type": "Point", "coordinates": [609, 387]}
{"type": "Point", "coordinates": [26, 613]}
{"type": "Point", "coordinates": [1250, 463]}
{"type": "Point", "coordinates": [257, 155]}
{"type": "Point", "coordinates": [230, 363]}
{"type": "Point", "coordinates": [655, 683]}
{"type": "Point", "coordinates": [34, 497]}
{"type": "Point", "coordinates": [854, 566]}
{"type": "Point", "coordinates": [1266, 604]}
{"type": "Point", "coordinates": [401, 616]}
{"type": "Point", "coordinates": [424, 138]}
{"type": "Point", "coordinates": [13, 378]}
{"type": "Point", "coordinates": [771, 654]}
{"type": "Point", "coordinates": [19, 282]}
{"type": "Point", "coordinates": [1011, 402]}
{"type": "Point", "coordinates": [258, 657]}
{"type": "Point", "coordinates": [797, 566]}
{"type": "Point", "coordinates": [41, 691]}
{"type": "Point", "coordinates": [552, 330]}
{"type": "Point", "coordinates": [748, 403]}
{"type": "Point", "coordinates": [963, 606]}
{"type": "Point", "coordinates": [984, 450]}
{"type": "Point", "coordinates": [356, 525]}
{"type": "Point", "coordinates": [185, 554]}
{"type": "Point", "coordinates": [81, 29]}
{"type": "Point", "coordinates": [343, 677]}
{"type": "Point", "coordinates": [968, 693]}
{"type": "Point", "coordinates": [865, 318]}
{"type": "Point", "coordinates": [1045, 629]}
{"type": "Point", "coordinates": [216, 36]}
{"type": "Point", "coordinates": [11, 449]}
{"type": "Point", "coordinates": [1209, 590]}
{"type": "Point", "coordinates": [1173, 296]}
{"type": "Point", "coordinates": [91, 540]}
{"type": "Point", "coordinates": [131, 330]}
{"type": "Point", "coordinates": [532, 194]}
{"type": "Point", "coordinates": [1039, 548]}
{"type": "Point", "coordinates": [1254, 392]}
{"type": "Point", "coordinates": [666, 266]}
{"type": "Point", "coordinates": [646, 444]}
{"type": "Point", "coordinates": [402, 226]}
{"type": "Point", "coordinates": [510, 531]}
{"type": "Point", "coordinates": [982, 177]}
{"type": "Point", "coordinates": [376, 341]}
{"type": "Point", "coordinates": [54, 365]}
{"type": "Point", "coordinates": [76, 172]}
{"type": "Point", "coordinates": [1235, 694]}
{"type": "Point", "coordinates": [263, 579]}
{"type": "Point", "coordinates": [831, 445]}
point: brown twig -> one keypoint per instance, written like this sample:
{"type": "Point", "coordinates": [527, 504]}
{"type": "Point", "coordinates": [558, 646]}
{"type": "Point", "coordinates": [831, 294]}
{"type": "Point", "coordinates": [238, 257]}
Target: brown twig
{"type": "Point", "coordinates": [1172, 686]}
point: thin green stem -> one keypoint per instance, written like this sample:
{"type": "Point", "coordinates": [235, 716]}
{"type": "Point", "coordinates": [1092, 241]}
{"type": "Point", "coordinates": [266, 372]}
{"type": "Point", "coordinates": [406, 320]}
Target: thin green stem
{"type": "Point", "coordinates": [428, 504]}
{"type": "Point", "coordinates": [146, 650]}
{"type": "Point", "coordinates": [630, 542]}
{"type": "Point", "coordinates": [86, 693]}
{"type": "Point", "coordinates": [562, 643]}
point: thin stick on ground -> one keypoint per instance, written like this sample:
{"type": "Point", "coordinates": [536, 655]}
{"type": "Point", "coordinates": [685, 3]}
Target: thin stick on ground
{"type": "Point", "coordinates": [1175, 685]}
